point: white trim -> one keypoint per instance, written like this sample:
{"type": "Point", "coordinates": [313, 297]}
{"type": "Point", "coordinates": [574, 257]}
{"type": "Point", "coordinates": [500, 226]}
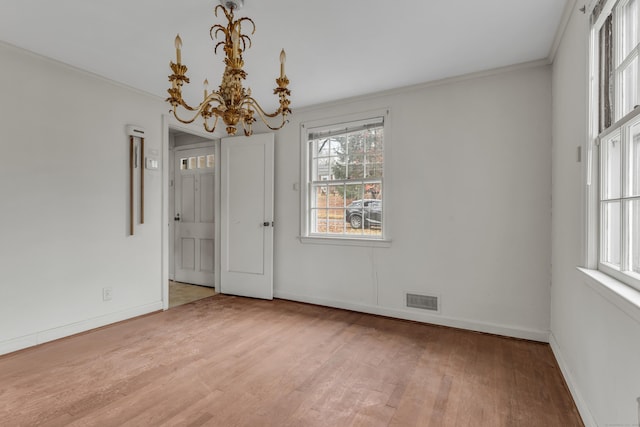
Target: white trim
{"type": "Point", "coordinates": [581, 404]}
{"type": "Point", "coordinates": [82, 71]}
{"type": "Point", "coordinates": [345, 241]}
{"type": "Point", "coordinates": [562, 27]}
{"type": "Point", "coordinates": [418, 316]}
{"type": "Point", "coordinates": [165, 226]}
{"type": "Point", "coordinates": [76, 328]}
{"type": "Point", "coordinates": [422, 86]}
{"type": "Point", "coordinates": [204, 144]}
{"type": "Point", "coordinates": [590, 6]}
{"type": "Point", "coordinates": [623, 296]}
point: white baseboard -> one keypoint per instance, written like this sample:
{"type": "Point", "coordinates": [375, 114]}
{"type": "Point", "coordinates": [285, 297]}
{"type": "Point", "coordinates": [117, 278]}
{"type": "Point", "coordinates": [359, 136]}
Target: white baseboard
{"type": "Point", "coordinates": [41, 337]}
{"type": "Point", "coordinates": [529, 334]}
{"type": "Point", "coordinates": [583, 409]}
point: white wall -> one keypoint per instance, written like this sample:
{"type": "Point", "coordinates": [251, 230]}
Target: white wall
{"type": "Point", "coordinates": [595, 342]}
{"type": "Point", "coordinates": [64, 190]}
{"type": "Point", "coordinates": [468, 193]}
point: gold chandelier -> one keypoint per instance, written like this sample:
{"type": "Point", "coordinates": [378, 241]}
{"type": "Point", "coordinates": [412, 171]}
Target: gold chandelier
{"type": "Point", "coordinates": [231, 102]}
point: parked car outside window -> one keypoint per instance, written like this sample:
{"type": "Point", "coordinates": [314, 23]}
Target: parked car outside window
{"type": "Point", "coordinates": [364, 213]}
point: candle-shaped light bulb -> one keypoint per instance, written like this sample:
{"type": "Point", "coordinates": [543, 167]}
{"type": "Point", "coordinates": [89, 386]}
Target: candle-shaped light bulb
{"type": "Point", "coordinates": [206, 87]}
{"type": "Point", "coordinates": [283, 58]}
{"type": "Point", "coordinates": [178, 47]}
{"type": "Point", "coordinates": [248, 91]}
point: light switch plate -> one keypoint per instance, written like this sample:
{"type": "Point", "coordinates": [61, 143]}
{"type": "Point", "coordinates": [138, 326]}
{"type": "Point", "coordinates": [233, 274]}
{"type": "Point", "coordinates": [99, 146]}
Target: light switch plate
{"type": "Point", "coordinates": [151, 163]}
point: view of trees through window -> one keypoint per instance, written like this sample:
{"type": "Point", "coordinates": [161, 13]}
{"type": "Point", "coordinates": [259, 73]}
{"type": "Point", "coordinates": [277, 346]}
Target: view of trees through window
{"type": "Point", "coordinates": [346, 181]}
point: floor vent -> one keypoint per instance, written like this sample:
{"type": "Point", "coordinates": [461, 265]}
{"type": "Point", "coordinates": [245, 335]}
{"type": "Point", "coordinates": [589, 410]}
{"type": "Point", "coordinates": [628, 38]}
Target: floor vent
{"type": "Point", "coordinates": [425, 302]}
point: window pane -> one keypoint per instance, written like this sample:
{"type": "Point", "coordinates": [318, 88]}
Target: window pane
{"type": "Point", "coordinates": [336, 208]}
{"type": "Point", "coordinates": [634, 234]}
{"type": "Point", "coordinates": [364, 216]}
{"type": "Point", "coordinates": [353, 192]}
{"type": "Point", "coordinates": [193, 163]}
{"type": "Point", "coordinates": [319, 196]}
{"type": "Point", "coordinates": [629, 87]}
{"type": "Point", "coordinates": [321, 169]}
{"type": "Point", "coordinates": [629, 27]}
{"type": "Point", "coordinates": [210, 160]}
{"type": "Point", "coordinates": [355, 167]}
{"type": "Point", "coordinates": [610, 233]}
{"type": "Point", "coordinates": [319, 221]}
{"type": "Point", "coordinates": [323, 147]}
{"type": "Point", "coordinates": [339, 157]}
{"type": "Point", "coordinates": [611, 152]}
{"type": "Point", "coordinates": [373, 153]}
{"type": "Point", "coordinates": [633, 187]}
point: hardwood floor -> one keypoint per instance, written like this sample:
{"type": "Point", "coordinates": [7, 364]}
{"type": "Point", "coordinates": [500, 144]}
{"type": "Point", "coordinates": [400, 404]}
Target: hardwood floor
{"type": "Point", "coordinates": [228, 361]}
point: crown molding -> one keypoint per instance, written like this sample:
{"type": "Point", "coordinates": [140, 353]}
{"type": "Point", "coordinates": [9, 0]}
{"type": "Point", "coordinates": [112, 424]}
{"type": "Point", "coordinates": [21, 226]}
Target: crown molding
{"type": "Point", "coordinates": [569, 7]}
{"type": "Point", "coordinates": [427, 85]}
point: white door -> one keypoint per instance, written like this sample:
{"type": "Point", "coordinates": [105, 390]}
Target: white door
{"type": "Point", "coordinates": [194, 216]}
{"type": "Point", "coordinates": [247, 216]}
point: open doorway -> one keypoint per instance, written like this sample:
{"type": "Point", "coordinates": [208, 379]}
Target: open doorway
{"type": "Point", "coordinates": [192, 210]}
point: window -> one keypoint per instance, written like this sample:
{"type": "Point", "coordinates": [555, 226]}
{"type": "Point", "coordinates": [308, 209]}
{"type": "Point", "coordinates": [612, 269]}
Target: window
{"type": "Point", "coordinates": [344, 179]}
{"type": "Point", "coordinates": [616, 134]}
{"type": "Point", "coordinates": [200, 162]}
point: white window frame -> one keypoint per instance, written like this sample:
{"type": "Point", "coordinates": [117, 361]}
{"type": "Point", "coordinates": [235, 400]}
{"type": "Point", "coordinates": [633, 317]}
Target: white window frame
{"type": "Point", "coordinates": [306, 236]}
{"type": "Point", "coordinates": [594, 176]}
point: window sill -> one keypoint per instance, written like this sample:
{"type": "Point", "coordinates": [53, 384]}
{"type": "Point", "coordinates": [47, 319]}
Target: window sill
{"type": "Point", "coordinates": [622, 296]}
{"type": "Point", "coordinates": [342, 241]}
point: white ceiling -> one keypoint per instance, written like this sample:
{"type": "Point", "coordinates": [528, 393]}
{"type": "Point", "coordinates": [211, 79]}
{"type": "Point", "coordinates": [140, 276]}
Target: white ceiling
{"type": "Point", "coordinates": [335, 48]}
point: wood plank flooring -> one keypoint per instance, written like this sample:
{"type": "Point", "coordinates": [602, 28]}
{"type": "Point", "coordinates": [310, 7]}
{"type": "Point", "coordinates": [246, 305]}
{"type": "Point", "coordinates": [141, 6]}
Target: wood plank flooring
{"type": "Point", "coordinates": [228, 361]}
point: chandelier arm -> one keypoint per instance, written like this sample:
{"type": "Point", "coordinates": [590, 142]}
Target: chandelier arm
{"type": "Point", "coordinates": [188, 107]}
{"type": "Point", "coordinates": [247, 131]}
{"type": "Point", "coordinates": [175, 114]}
{"type": "Point", "coordinates": [198, 110]}
{"type": "Point", "coordinates": [252, 102]}
{"type": "Point", "coordinates": [203, 104]}
{"type": "Point", "coordinates": [263, 115]}
{"type": "Point", "coordinates": [212, 96]}
{"type": "Point", "coordinates": [215, 123]}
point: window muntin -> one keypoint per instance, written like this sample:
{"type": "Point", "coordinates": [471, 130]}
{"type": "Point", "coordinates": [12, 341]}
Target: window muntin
{"type": "Point", "coordinates": [625, 40]}
{"type": "Point", "coordinates": [617, 40]}
{"type": "Point", "coordinates": [345, 175]}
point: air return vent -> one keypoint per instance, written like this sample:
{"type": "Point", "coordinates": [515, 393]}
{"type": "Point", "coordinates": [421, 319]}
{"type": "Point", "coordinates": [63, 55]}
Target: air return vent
{"type": "Point", "coordinates": [425, 302]}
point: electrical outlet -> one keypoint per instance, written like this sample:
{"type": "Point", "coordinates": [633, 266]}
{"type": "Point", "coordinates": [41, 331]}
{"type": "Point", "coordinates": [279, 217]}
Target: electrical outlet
{"type": "Point", "coordinates": [107, 294]}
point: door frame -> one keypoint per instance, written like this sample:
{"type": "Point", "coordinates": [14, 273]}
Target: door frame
{"type": "Point", "coordinates": [170, 123]}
